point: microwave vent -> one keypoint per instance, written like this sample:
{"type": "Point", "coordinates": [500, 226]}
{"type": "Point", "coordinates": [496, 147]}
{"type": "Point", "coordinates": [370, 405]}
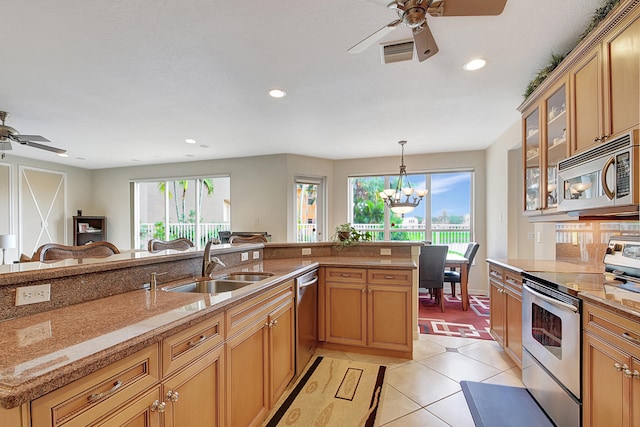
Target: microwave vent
{"type": "Point", "coordinates": [600, 151]}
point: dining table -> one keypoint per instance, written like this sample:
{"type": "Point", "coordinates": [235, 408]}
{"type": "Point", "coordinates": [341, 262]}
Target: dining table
{"type": "Point", "coordinates": [458, 261]}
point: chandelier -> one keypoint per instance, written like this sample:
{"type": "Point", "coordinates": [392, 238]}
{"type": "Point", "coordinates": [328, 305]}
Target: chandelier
{"type": "Point", "coordinates": [393, 198]}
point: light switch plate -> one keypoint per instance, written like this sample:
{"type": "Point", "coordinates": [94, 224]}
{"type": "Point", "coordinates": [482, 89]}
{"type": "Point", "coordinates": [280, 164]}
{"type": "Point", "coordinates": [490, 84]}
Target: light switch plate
{"type": "Point", "coordinates": [306, 251]}
{"type": "Point", "coordinates": [385, 251]}
{"type": "Point", "coordinates": [256, 254]}
{"type": "Point", "coordinates": [33, 294]}
{"type": "Point", "coordinates": [245, 256]}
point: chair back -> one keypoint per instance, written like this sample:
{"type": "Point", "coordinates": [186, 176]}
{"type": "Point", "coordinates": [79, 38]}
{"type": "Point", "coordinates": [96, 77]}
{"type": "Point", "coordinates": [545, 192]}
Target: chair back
{"type": "Point", "coordinates": [470, 254]}
{"type": "Point", "coordinates": [258, 238]}
{"type": "Point", "coordinates": [431, 266]}
{"type": "Point", "coordinates": [181, 244]}
{"type": "Point", "coordinates": [54, 251]}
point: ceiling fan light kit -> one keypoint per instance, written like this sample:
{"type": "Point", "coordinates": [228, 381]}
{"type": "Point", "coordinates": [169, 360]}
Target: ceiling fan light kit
{"type": "Point", "coordinates": [8, 134]}
{"type": "Point", "coordinates": [413, 14]}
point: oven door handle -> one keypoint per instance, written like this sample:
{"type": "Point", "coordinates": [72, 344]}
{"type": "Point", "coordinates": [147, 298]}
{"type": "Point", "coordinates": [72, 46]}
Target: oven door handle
{"type": "Point", "coordinates": [549, 299]}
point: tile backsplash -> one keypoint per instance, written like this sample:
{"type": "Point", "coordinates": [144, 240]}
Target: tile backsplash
{"type": "Point", "coordinates": [587, 241]}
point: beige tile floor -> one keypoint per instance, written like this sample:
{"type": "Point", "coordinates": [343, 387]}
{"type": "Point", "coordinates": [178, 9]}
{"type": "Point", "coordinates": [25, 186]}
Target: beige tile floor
{"type": "Point", "coordinates": [426, 391]}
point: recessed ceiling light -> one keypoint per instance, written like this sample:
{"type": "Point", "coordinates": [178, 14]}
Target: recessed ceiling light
{"type": "Point", "coordinates": [190, 141]}
{"type": "Point", "coordinates": [277, 93]}
{"type": "Point", "coordinates": [63, 155]}
{"type": "Point", "coordinates": [475, 64]}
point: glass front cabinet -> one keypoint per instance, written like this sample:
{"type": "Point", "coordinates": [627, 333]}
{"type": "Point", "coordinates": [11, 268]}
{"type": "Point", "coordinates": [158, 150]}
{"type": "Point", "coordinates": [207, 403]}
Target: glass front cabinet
{"type": "Point", "coordinates": [545, 127]}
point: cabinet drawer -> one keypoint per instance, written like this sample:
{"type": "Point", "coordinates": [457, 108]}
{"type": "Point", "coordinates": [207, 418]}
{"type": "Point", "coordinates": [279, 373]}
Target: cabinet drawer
{"type": "Point", "coordinates": [185, 346]}
{"type": "Point", "coordinates": [351, 275]}
{"type": "Point", "coordinates": [389, 277]}
{"type": "Point", "coordinates": [513, 280]}
{"type": "Point", "coordinates": [257, 308]}
{"type": "Point", "coordinates": [622, 332]}
{"type": "Point", "coordinates": [95, 395]}
{"type": "Point", "coordinates": [496, 273]}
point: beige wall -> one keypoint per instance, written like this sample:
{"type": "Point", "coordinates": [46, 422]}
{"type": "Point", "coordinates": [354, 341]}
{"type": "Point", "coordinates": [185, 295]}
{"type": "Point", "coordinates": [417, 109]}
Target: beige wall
{"type": "Point", "coordinates": [78, 190]}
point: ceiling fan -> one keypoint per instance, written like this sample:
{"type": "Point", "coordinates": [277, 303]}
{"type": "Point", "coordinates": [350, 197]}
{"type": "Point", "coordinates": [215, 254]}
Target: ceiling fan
{"type": "Point", "coordinates": [8, 134]}
{"type": "Point", "coordinates": [413, 13]}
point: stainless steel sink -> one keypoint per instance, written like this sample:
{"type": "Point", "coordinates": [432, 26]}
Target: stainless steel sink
{"type": "Point", "coordinates": [211, 286]}
{"type": "Point", "coordinates": [248, 277]}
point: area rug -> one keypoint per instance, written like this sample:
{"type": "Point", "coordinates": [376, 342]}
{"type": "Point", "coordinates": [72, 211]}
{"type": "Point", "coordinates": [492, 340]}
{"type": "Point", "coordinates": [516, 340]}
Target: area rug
{"type": "Point", "coordinates": [333, 392]}
{"type": "Point", "coordinates": [493, 405]}
{"type": "Point", "coordinates": [473, 323]}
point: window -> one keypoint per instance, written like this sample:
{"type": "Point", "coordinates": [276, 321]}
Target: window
{"type": "Point", "coordinates": [195, 208]}
{"type": "Point", "coordinates": [443, 217]}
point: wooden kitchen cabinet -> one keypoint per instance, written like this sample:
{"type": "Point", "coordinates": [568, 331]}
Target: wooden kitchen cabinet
{"type": "Point", "coordinates": [605, 84]}
{"type": "Point", "coordinates": [260, 360]}
{"type": "Point", "coordinates": [368, 308]}
{"type": "Point", "coordinates": [611, 369]}
{"type": "Point", "coordinates": [505, 316]}
{"type": "Point", "coordinates": [15, 417]}
{"type": "Point", "coordinates": [545, 144]}
{"type": "Point", "coordinates": [104, 392]}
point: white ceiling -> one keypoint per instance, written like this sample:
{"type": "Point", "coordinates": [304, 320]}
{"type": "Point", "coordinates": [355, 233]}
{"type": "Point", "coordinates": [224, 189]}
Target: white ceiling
{"type": "Point", "coordinates": [113, 81]}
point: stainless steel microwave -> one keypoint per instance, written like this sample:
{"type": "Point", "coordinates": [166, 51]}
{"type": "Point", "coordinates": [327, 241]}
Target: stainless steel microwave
{"type": "Point", "coordinates": [605, 176]}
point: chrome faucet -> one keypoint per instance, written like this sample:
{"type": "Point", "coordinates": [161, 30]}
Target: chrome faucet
{"type": "Point", "coordinates": [209, 263]}
{"type": "Point", "coordinates": [153, 283]}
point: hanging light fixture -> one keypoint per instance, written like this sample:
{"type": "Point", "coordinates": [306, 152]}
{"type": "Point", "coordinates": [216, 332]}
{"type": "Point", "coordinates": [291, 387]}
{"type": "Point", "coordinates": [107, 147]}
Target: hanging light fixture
{"type": "Point", "coordinates": [393, 198]}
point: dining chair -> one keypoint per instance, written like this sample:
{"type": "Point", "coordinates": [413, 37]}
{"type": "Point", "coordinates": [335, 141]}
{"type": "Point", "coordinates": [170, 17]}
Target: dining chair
{"type": "Point", "coordinates": [258, 238]}
{"type": "Point", "coordinates": [180, 244]}
{"type": "Point", "coordinates": [453, 276]}
{"type": "Point", "coordinates": [431, 271]}
{"type": "Point", "coordinates": [55, 251]}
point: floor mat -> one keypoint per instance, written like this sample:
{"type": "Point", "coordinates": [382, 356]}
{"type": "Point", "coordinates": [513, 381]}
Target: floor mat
{"type": "Point", "coordinates": [473, 323]}
{"type": "Point", "coordinates": [493, 405]}
{"type": "Point", "coordinates": [333, 392]}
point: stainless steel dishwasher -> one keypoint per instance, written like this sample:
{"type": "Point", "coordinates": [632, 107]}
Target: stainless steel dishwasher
{"type": "Point", "coordinates": [306, 318]}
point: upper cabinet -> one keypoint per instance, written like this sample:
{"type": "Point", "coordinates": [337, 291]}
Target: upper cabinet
{"type": "Point", "coordinates": [605, 85]}
{"type": "Point", "coordinates": [545, 144]}
{"type": "Point", "coordinates": [590, 97]}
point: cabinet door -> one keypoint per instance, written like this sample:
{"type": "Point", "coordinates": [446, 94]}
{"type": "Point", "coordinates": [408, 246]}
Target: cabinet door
{"type": "Point", "coordinates": [555, 142]}
{"type": "Point", "coordinates": [497, 312]}
{"type": "Point", "coordinates": [605, 391]}
{"type": "Point", "coordinates": [635, 392]}
{"type": "Point", "coordinates": [531, 153]}
{"type": "Point", "coordinates": [281, 350]}
{"type": "Point", "coordinates": [194, 396]}
{"type": "Point", "coordinates": [586, 101]}
{"type": "Point", "coordinates": [246, 371]}
{"type": "Point", "coordinates": [513, 317]}
{"type": "Point", "coordinates": [139, 413]}
{"type": "Point", "coordinates": [622, 52]}
{"type": "Point", "coordinates": [346, 317]}
{"type": "Point", "coordinates": [389, 317]}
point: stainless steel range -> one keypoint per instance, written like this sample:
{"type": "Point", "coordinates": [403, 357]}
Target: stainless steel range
{"type": "Point", "coordinates": [551, 323]}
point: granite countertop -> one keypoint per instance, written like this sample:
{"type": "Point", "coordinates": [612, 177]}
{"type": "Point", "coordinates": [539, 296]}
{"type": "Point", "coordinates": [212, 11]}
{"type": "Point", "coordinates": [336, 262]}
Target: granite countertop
{"type": "Point", "coordinates": [521, 265]}
{"type": "Point", "coordinates": [45, 351]}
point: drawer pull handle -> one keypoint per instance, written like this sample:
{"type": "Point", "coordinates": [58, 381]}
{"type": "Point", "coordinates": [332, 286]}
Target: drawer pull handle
{"type": "Point", "coordinates": [200, 341]}
{"type": "Point", "coordinates": [389, 277]}
{"type": "Point", "coordinates": [172, 395]}
{"type": "Point", "coordinates": [158, 406]}
{"type": "Point", "coordinates": [627, 336]}
{"type": "Point", "coordinates": [620, 367]}
{"type": "Point", "coordinates": [97, 396]}
{"type": "Point", "coordinates": [345, 275]}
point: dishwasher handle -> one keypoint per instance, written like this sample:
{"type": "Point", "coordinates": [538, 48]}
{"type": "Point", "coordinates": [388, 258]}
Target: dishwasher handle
{"type": "Point", "coordinates": [309, 283]}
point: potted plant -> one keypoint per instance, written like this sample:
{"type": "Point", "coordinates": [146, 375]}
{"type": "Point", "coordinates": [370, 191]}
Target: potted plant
{"type": "Point", "coordinates": [347, 235]}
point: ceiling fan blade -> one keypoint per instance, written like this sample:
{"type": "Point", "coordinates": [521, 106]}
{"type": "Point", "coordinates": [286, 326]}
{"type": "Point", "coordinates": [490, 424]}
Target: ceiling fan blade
{"type": "Point", "coordinates": [426, 45]}
{"type": "Point", "coordinates": [466, 7]}
{"type": "Point", "coordinates": [44, 147]}
{"type": "Point", "coordinates": [365, 43]}
{"type": "Point", "coordinates": [25, 138]}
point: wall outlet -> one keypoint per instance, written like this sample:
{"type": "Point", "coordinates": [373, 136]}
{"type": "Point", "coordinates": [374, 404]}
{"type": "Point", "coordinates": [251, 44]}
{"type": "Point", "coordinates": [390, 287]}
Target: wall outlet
{"type": "Point", "coordinates": [306, 251]}
{"type": "Point", "coordinates": [244, 256]}
{"type": "Point", "coordinates": [385, 251]}
{"type": "Point", "coordinates": [33, 294]}
{"type": "Point", "coordinates": [530, 235]}
{"type": "Point", "coordinates": [256, 254]}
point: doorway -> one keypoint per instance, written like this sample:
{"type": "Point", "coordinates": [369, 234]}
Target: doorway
{"type": "Point", "coordinates": [310, 202]}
